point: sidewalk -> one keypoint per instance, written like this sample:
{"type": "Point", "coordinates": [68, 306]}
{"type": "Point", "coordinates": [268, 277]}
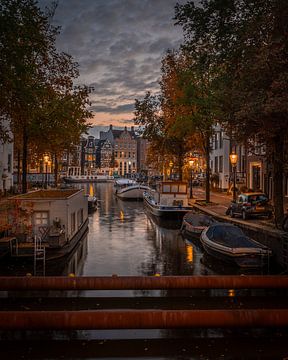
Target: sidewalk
{"type": "Point", "coordinates": [219, 205]}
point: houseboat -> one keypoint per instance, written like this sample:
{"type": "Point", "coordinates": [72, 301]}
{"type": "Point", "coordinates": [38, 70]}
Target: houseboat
{"type": "Point", "coordinates": [74, 175]}
{"type": "Point", "coordinates": [54, 220]}
{"type": "Point", "coordinates": [169, 201]}
{"type": "Point", "coordinates": [129, 189]}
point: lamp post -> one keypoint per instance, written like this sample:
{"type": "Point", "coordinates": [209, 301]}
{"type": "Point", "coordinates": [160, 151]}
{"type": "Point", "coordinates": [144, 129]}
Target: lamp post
{"type": "Point", "coordinates": [129, 169]}
{"type": "Point", "coordinates": [233, 160]}
{"type": "Point", "coordinates": [191, 163]}
{"type": "Point", "coordinates": [46, 161]}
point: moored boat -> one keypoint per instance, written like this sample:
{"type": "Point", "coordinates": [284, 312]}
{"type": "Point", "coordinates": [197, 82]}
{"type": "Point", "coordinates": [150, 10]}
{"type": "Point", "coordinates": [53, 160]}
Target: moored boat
{"type": "Point", "coordinates": [168, 201]}
{"type": "Point", "coordinates": [129, 189]}
{"type": "Point", "coordinates": [194, 223]}
{"type": "Point", "coordinates": [92, 203]}
{"type": "Point", "coordinates": [54, 220]}
{"type": "Point", "coordinates": [228, 242]}
{"type": "Point", "coordinates": [74, 175]}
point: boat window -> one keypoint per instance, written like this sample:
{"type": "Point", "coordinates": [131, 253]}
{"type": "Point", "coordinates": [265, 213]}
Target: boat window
{"type": "Point", "coordinates": [209, 232]}
{"type": "Point", "coordinates": [182, 188]}
{"type": "Point", "coordinates": [41, 218]}
{"type": "Point", "coordinates": [80, 217]}
{"type": "Point", "coordinates": [166, 188]}
{"type": "Point", "coordinates": [73, 222]}
{"type": "Point", "coordinates": [174, 188]}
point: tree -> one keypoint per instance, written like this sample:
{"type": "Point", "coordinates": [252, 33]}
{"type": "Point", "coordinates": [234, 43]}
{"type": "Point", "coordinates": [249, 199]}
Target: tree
{"type": "Point", "coordinates": [61, 123]}
{"type": "Point", "coordinates": [188, 103]}
{"type": "Point", "coordinates": [248, 45]}
{"type": "Point", "coordinates": [32, 72]}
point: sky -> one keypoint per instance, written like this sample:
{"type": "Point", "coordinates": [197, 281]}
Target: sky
{"type": "Point", "coordinates": [119, 45]}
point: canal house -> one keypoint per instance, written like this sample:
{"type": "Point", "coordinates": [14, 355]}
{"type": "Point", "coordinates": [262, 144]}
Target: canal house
{"type": "Point", "coordinates": [56, 218]}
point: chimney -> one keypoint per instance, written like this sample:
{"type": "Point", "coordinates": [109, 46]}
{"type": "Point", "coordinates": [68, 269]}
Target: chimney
{"type": "Point", "coordinates": [132, 128]}
{"type": "Point", "coordinates": [111, 127]}
{"type": "Point", "coordinates": [125, 129]}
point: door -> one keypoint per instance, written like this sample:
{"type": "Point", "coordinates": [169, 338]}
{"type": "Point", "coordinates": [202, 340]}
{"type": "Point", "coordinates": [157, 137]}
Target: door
{"type": "Point", "coordinates": [256, 180]}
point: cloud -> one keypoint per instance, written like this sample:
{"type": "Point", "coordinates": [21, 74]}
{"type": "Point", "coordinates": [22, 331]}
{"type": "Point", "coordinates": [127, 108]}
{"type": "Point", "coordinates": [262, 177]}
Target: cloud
{"type": "Point", "coordinates": [119, 45]}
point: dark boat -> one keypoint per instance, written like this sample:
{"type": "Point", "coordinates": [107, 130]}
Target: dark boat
{"type": "Point", "coordinates": [92, 204]}
{"type": "Point", "coordinates": [194, 223]}
{"type": "Point", "coordinates": [228, 242]}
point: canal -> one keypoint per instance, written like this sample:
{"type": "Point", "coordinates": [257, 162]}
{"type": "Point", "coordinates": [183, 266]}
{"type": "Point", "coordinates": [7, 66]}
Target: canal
{"type": "Point", "coordinates": [124, 240]}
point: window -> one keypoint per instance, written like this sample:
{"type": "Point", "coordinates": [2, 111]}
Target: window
{"type": "Point", "coordinates": [73, 223]}
{"type": "Point", "coordinates": [220, 164]}
{"type": "Point", "coordinates": [9, 162]}
{"type": "Point", "coordinates": [166, 188]}
{"type": "Point", "coordinates": [216, 140]}
{"type": "Point", "coordinates": [220, 139]}
{"type": "Point", "coordinates": [216, 164]}
{"type": "Point", "coordinates": [41, 218]}
{"type": "Point", "coordinates": [80, 217]}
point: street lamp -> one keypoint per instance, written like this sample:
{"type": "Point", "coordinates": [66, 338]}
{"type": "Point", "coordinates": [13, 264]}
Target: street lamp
{"type": "Point", "coordinates": [46, 161]}
{"type": "Point", "coordinates": [191, 163]}
{"type": "Point", "coordinates": [233, 160]}
{"type": "Point", "coordinates": [170, 166]}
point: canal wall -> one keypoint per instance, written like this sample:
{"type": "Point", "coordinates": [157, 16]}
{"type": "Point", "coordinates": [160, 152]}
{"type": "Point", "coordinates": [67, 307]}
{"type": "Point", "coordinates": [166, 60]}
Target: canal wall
{"type": "Point", "coordinates": [275, 239]}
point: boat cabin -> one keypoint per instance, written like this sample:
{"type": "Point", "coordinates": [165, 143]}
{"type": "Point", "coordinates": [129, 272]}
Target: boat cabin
{"type": "Point", "coordinates": [171, 193]}
{"type": "Point", "coordinates": [55, 216]}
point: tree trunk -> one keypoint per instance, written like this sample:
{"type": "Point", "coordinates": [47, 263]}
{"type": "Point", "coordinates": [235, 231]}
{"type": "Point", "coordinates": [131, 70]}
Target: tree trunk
{"type": "Point", "coordinates": [207, 156]}
{"type": "Point", "coordinates": [278, 170]}
{"type": "Point", "coordinates": [24, 160]}
{"type": "Point", "coordinates": [18, 169]}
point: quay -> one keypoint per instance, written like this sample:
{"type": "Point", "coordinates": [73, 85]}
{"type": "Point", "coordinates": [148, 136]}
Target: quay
{"type": "Point", "coordinates": [262, 231]}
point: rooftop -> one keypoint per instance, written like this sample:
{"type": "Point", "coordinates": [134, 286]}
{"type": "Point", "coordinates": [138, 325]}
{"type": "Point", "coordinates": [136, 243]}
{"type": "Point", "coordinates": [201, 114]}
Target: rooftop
{"type": "Point", "coordinates": [47, 194]}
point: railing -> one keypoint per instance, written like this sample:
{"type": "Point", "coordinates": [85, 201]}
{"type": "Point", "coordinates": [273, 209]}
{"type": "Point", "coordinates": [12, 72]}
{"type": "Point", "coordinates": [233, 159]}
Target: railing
{"type": "Point", "coordinates": [132, 318]}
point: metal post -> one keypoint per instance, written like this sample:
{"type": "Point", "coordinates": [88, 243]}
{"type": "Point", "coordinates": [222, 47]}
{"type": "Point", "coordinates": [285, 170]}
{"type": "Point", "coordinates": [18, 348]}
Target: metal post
{"type": "Point", "coordinates": [234, 183]}
{"type": "Point", "coordinates": [46, 174]}
{"type": "Point", "coordinates": [191, 179]}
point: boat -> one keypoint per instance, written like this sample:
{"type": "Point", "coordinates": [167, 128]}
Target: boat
{"type": "Point", "coordinates": [227, 242]}
{"type": "Point", "coordinates": [194, 223]}
{"type": "Point", "coordinates": [48, 221]}
{"type": "Point", "coordinates": [74, 175]}
{"type": "Point", "coordinates": [169, 201]}
{"type": "Point", "coordinates": [129, 189]}
{"type": "Point", "coordinates": [92, 203]}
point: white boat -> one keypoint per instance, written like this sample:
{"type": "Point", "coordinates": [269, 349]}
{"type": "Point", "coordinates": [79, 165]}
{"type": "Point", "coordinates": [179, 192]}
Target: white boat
{"type": "Point", "coordinates": [169, 201]}
{"type": "Point", "coordinates": [74, 176]}
{"type": "Point", "coordinates": [57, 219]}
{"type": "Point", "coordinates": [129, 189]}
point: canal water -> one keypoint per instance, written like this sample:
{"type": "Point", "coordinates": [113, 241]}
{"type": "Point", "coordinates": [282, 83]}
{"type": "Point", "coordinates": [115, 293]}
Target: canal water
{"type": "Point", "coordinates": [124, 240]}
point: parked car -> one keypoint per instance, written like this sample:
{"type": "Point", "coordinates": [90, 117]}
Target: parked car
{"type": "Point", "coordinates": [250, 204]}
